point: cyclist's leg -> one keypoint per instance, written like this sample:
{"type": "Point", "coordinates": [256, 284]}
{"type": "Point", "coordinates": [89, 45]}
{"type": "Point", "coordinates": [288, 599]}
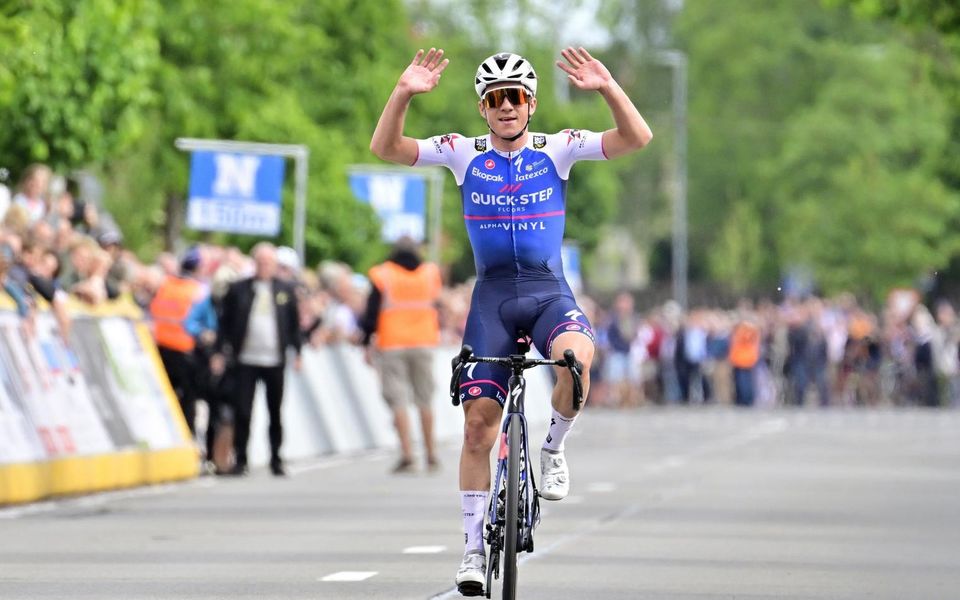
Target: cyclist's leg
{"type": "Point", "coordinates": [480, 433]}
{"type": "Point", "coordinates": [583, 348]}
{"type": "Point", "coordinates": [481, 424]}
{"type": "Point", "coordinates": [482, 393]}
{"type": "Point", "coordinates": [562, 326]}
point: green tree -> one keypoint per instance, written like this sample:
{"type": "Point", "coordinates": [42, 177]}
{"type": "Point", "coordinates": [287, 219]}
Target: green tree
{"type": "Point", "coordinates": [859, 199]}
{"type": "Point", "coordinates": [278, 72]}
{"type": "Point", "coordinates": [74, 80]}
{"type": "Point", "coordinates": [748, 76]}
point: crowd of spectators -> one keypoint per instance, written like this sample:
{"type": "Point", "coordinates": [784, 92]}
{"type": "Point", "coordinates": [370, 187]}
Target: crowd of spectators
{"type": "Point", "coordinates": [808, 351]}
{"type": "Point", "coordinates": [829, 352]}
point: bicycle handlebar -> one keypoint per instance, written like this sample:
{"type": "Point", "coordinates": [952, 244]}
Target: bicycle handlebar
{"type": "Point", "coordinates": [517, 362]}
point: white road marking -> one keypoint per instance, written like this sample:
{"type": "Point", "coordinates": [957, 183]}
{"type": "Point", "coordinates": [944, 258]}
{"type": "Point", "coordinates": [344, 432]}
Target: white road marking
{"type": "Point", "coordinates": [348, 576]}
{"type": "Point", "coordinates": [424, 549]}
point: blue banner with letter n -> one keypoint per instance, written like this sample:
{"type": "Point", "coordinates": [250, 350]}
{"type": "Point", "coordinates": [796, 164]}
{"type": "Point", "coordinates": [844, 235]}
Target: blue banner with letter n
{"type": "Point", "coordinates": [400, 200]}
{"type": "Point", "coordinates": [236, 193]}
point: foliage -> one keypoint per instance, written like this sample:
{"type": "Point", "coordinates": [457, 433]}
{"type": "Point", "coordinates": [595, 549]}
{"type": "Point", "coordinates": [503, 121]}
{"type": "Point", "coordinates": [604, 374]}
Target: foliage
{"type": "Point", "coordinates": [74, 80]}
{"type": "Point", "coordinates": [789, 109]}
{"type": "Point", "coordinates": [818, 139]}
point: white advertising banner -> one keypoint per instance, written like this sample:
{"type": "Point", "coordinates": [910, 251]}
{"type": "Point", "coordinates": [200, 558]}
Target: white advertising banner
{"type": "Point", "coordinates": [144, 404]}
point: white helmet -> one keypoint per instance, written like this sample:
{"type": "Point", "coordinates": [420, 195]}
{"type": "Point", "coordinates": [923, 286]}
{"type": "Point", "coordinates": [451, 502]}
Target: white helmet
{"type": "Point", "coordinates": [506, 68]}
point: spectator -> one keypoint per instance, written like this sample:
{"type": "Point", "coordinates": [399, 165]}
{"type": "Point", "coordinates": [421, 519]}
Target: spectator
{"type": "Point", "coordinates": [402, 316]}
{"type": "Point", "coordinates": [924, 328]}
{"type": "Point", "coordinates": [947, 351]}
{"type": "Point", "coordinates": [620, 371]}
{"type": "Point", "coordinates": [340, 321]}
{"type": "Point", "coordinates": [35, 273]}
{"type": "Point", "coordinates": [259, 321]}
{"type": "Point", "coordinates": [233, 266]}
{"type": "Point", "coordinates": [691, 352]}
{"type": "Point", "coordinates": [8, 258]}
{"type": "Point", "coordinates": [716, 366]}
{"type": "Point", "coordinates": [744, 356]}
{"type": "Point", "coordinates": [31, 193]}
{"type": "Point", "coordinates": [288, 269]}
{"type": "Point", "coordinates": [288, 264]}
{"type": "Point", "coordinates": [807, 357]}
{"type": "Point", "coordinates": [4, 200]}
{"type": "Point", "coordinates": [112, 243]}
{"type": "Point", "coordinates": [177, 311]}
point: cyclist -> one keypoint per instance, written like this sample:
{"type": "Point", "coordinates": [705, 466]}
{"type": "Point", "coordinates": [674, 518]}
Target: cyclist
{"type": "Point", "coordinates": [512, 183]}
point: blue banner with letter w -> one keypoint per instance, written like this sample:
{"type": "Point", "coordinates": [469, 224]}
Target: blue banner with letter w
{"type": "Point", "coordinates": [236, 193]}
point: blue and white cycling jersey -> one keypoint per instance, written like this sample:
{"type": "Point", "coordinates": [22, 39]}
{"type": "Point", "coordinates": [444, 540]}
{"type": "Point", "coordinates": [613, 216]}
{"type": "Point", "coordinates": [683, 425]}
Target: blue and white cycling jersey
{"type": "Point", "coordinates": [514, 206]}
{"type": "Point", "coordinates": [514, 203]}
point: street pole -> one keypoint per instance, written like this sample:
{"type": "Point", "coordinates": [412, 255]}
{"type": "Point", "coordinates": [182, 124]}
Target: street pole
{"type": "Point", "coordinates": [677, 61]}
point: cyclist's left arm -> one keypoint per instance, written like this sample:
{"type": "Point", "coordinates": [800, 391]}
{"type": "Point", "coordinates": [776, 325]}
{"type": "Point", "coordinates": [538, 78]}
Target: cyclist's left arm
{"type": "Point", "coordinates": [632, 132]}
{"type": "Point", "coordinates": [587, 73]}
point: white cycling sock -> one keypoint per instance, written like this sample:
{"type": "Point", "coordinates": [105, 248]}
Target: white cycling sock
{"type": "Point", "coordinates": [560, 426]}
{"type": "Point", "coordinates": [473, 503]}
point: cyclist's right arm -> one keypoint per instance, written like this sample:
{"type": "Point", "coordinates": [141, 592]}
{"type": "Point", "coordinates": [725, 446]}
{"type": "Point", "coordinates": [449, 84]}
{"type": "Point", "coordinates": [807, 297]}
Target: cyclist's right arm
{"type": "Point", "coordinates": [421, 76]}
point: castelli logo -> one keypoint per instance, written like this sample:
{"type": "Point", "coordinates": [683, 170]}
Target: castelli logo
{"type": "Point", "coordinates": [474, 391]}
{"type": "Point", "coordinates": [573, 328]}
{"type": "Point", "coordinates": [489, 164]}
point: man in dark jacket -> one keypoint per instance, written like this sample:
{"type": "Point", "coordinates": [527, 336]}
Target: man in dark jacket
{"type": "Point", "coordinates": [259, 321]}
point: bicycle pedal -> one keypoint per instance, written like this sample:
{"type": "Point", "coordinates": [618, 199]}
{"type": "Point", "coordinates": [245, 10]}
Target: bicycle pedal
{"type": "Point", "coordinates": [470, 588]}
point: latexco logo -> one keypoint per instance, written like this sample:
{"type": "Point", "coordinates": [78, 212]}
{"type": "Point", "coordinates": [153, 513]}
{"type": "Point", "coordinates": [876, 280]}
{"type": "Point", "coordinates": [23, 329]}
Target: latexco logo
{"type": "Point", "coordinates": [533, 175]}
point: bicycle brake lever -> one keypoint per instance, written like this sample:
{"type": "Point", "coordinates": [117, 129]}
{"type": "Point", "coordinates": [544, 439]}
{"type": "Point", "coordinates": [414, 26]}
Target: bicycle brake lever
{"type": "Point", "coordinates": [576, 370]}
{"type": "Point", "coordinates": [454, 382]}
{"type": "Point", "coordinates": [457, 365]}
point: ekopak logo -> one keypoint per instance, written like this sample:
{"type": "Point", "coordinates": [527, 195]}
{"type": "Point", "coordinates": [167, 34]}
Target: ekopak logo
{"type": "Point", "coordinates": [489, 164]}
{"type": "Point", "coordinates": [486, 176]}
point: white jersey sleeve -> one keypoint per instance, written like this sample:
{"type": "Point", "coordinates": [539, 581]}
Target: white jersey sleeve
{"type": "Point", "coordinates": [451, 150]}
{"type": "Point", "coordinates": [570, 145]}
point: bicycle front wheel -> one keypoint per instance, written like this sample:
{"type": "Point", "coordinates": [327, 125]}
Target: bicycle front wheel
{"type": "Point", "coordinates": [512, 529]}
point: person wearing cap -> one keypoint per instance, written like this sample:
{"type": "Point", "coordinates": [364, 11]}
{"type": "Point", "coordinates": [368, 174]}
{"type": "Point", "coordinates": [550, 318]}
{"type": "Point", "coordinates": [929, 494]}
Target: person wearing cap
{"type": "Point", "coordinates": [513, 184]}
{"type": "Point", "coordinates": [182, 315]}
{"type": "Point", "coordinates": [259, 320]}
{"type": "Point", "coordinates": [401, 321]}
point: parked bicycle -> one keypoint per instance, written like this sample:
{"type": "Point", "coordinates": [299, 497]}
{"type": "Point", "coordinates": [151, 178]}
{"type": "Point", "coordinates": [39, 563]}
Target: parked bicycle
{"type": "Point", "coordinates": [514, 510]}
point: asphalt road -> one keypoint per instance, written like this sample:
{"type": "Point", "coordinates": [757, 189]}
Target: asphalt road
{"type": "Point", "coordinates": [665, 504]}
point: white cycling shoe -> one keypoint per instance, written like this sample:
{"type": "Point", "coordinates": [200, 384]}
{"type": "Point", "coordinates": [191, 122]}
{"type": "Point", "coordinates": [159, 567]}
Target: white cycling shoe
{"type": "Point", "coordinates": [472, 574]}
{"type": "Point", "coordinates": [554, 475]}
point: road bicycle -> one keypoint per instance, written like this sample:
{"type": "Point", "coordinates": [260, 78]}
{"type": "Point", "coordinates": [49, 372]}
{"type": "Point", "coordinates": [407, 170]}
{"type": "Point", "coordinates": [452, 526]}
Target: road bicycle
{"type": "Point", "coordinates": [514, 510]}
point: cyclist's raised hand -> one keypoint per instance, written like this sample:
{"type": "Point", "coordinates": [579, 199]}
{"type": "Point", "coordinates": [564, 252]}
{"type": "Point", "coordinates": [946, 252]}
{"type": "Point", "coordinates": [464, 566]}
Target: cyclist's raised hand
{"type": "Point", "coordinates": [423, 74]}
{"type": "Point", "coordinates": [583, 70]}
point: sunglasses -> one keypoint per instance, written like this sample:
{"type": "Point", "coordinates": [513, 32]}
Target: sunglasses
{"type": "Point", "coordinates": [516, 96]}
